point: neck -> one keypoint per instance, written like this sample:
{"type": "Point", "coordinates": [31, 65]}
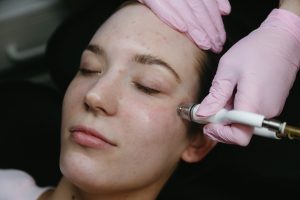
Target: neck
{"type": "Point", "coordinates": [67, 191]}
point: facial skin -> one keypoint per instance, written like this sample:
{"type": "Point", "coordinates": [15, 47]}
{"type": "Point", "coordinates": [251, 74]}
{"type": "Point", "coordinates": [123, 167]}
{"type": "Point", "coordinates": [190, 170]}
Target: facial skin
{"type": "Point", "coordinates": [125, 93]}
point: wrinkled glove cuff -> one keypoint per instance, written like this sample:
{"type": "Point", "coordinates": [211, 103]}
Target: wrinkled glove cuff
{"type": "Point", "coordinates": [284, 19]}
{"type": "Point", "coordinates": [287, 25]}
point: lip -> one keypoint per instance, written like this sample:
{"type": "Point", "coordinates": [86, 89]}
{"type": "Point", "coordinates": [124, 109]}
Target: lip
{"type": "Point", "coordinates": [89, 137]}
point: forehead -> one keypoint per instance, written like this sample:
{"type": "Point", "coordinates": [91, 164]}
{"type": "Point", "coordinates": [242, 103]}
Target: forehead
{"type": "Point", "coordinates": [136, 28]}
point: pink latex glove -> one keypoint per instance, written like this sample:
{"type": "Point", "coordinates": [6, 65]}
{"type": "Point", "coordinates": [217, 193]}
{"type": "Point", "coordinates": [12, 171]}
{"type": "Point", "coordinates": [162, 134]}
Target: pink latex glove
{"type": "Point", "coordinates": [200, 20]}
{"type": "Point", "coordinates": [262, 68]}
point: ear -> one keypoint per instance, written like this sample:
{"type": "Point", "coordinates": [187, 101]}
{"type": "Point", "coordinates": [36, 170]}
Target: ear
{"type": "Point", "coordinates": [200, 145]}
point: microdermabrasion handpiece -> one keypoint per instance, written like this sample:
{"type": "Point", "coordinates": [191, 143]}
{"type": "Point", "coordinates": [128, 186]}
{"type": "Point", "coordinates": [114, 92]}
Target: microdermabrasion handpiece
{"type": "Point", "coordinates": [262, 127]}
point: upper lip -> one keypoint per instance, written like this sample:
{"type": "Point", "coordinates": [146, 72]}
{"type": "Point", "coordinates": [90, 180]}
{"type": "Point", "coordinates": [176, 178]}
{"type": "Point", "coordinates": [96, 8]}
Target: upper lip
{"type": "Point", "coordinates": [93, 132]}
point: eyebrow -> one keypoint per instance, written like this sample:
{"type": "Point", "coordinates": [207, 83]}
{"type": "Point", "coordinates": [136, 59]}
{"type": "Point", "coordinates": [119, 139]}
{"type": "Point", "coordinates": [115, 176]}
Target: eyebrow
{"type": "Point", "coordinates": [152, 60]}
{"type": "Point", "coordinates": [95, 49]}
{"type": "Point", "coordinates": [140, 58]}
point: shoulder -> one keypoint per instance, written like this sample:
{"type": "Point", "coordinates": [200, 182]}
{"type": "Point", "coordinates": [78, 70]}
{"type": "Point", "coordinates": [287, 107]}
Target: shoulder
{"type": "Point", "coordinates": [16, 184]}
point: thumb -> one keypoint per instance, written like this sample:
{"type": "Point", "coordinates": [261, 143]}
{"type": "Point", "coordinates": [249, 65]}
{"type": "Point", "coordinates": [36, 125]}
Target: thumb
{"type": "Point", "coordinates": [219, 95]}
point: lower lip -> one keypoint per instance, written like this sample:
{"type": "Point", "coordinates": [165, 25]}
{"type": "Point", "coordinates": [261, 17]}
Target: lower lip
{"type": "Point", "coordinates": [88, 140]}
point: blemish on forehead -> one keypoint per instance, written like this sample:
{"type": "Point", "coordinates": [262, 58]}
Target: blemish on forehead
{"type": "Point", "coordinates": [163, 37]}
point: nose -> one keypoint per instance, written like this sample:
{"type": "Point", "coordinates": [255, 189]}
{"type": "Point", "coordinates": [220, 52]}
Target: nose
{"type": "Point", "coordinates": [102, 98]}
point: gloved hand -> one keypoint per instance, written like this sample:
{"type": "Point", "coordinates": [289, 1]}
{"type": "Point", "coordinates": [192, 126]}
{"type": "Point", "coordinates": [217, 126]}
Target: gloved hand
{"type": "Point", "coordinates": [262, 68]}
{"type": "Point", "coordinates": [200, 20]}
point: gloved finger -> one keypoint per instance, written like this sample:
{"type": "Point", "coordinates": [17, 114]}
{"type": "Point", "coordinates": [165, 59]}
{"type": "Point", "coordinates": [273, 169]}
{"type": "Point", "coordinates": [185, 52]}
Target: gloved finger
{"type": "Point", "coordinates": [204, 21]}
{"type": "Point", "coordinates": [248, 95]}
{"type": "Point", "coordinates": [166, 13]}
{"type": "Point", "coordinates": [224, 7]}
{"type": "Point", "coordinates": [213, 10]}
{"type": "Point", "coordinates": [220, 94]}
{"type": "Point", "coordinates": [201, 39]}
{"type": "Point", "coordinates": [229, 134]}
{"type": "Point", "coordinates": [194, 30]}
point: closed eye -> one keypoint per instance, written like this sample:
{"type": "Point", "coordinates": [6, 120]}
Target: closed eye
{"type": "Point", "coordinates": [86, 72]}
{"type": "Point", "coordinates": [146, 90]}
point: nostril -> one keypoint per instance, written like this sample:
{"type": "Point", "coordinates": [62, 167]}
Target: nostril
{"type": "Point", "coordinates": [86, 106]}
{"type": "Point", "coordinates": [91, 108]}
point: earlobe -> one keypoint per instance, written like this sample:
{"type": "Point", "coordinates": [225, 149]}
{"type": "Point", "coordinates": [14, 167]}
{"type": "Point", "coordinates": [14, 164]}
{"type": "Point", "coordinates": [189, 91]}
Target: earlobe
{"type": "Point", "coordinates": [198, 148]}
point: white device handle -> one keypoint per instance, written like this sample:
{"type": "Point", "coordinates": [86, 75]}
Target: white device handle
{"type": "Point", "coordinates": [234, 116]}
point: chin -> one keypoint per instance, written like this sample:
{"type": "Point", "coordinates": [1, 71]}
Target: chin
{"type": "Point", "coordinates": [77, 169]}
{"type": "Point", "coordinates": [84, 173]}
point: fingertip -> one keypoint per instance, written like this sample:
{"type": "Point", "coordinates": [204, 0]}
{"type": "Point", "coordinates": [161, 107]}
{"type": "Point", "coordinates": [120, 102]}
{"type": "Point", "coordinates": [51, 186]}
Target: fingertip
{"type": "Point", "coordinates": [178, 23]}
{"type": "Point", "coordinates": [200, 38]}
{"type": "Point", "coordinates": [224, 7]}
{"type": "Point", "coordinates": [217, 49]}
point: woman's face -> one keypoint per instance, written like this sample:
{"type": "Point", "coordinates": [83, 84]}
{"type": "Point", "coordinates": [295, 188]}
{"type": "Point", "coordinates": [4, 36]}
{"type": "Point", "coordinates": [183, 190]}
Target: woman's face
{"type": "Point", "coordinates": [120, 128]}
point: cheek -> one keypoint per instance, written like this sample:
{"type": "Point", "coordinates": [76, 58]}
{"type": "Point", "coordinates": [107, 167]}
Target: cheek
{"type": "Point", "coordinates": [162, 118]}
{"type": "Point", "coordinates": [155, 125]}
{"type": "Point", "coordinates": [153, 132]}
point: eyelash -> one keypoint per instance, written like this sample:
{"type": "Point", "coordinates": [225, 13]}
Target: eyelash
{"type": "Point", "coordinates": [146, 90]}
{"type": "Point", "coordinates": [87, 72]}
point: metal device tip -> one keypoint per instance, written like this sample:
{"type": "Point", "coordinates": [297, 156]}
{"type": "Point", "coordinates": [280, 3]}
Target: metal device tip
{"type": "Point", "coordinates": [184, 111]}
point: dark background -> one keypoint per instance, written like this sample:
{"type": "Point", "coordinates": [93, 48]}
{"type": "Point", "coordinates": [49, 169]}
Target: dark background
{"type": "Point", "coordinates": [30, 117]}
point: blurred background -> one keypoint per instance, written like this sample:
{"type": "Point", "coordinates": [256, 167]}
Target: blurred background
{"type": "Point", "coordinates": [27, 25]}
{"type": "Point", "coordinates": [40, 46]}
